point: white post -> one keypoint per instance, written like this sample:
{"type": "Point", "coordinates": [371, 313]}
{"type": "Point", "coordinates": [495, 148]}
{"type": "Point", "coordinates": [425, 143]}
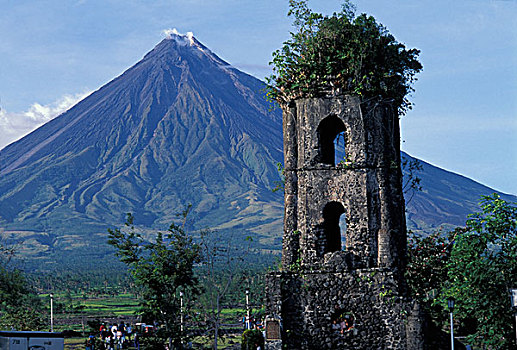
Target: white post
{"type": "Point", "coordinates": [516, 328]}
{"type": "Point", "coordinates": [181, 317]}
{"type": "Point", "coordinates": [248, 316]}
{"type": "Point", "coordinates": [513, 295]}
{"type": "Point", "coordinates": [51, 312]}
{"type": "Point", "coordinates": [452, 334]}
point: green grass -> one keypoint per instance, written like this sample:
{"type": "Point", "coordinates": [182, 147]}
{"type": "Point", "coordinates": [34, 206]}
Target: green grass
{"type": "Point", "coordinates": [221, 343]}
{"type": "Point", "coordinates": [105, 307]}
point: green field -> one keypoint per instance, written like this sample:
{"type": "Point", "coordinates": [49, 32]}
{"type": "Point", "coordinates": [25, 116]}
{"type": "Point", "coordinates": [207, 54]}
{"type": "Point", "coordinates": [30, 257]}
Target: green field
{"type": "Point", "coordinates": [72, 312]}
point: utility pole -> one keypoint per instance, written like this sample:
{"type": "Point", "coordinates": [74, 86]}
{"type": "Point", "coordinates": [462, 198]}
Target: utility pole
{"type": "Point", "coordinates": [51, 312]}
{"type": "Point", "coordinates": [450, 303]}
{"type": "Point", "coordinates": [513, 295]}
{"type": "Point", "coordinates": [248, 315]}
{"type": "Point", "coordinates": [181, 317]}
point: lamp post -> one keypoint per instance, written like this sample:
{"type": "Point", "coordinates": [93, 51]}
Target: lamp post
{"type": "Point", "coordinates": [513, 292]}
{"type": "Point", "coordinates": [181, 317]}
{"type": "Point", "coordinates": [248, 323]}
{"type": "Point", "coordinates": [450, 303]}
{"type": "Point", "coordinates": [51, 312]}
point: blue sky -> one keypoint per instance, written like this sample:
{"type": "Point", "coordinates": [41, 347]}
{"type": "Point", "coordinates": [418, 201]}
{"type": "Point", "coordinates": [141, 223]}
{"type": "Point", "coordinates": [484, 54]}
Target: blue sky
{"type": "Point", "coordinates": [465, 114]}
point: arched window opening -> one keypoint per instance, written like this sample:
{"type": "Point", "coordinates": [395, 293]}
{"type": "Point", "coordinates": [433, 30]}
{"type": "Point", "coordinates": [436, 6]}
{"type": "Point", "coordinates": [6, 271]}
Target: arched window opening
{"type": "Point", "coordinates": [331, 226]}
{"type": "Point", "coordinates": [329, 132]}
{"type": "Point", "coordinates": [339, 148]}
{"type": "Point", "coordinates": [342, 228]}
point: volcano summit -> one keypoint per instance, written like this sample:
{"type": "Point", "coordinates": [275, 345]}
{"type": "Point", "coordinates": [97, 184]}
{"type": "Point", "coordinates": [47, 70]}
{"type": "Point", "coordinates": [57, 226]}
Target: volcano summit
{"type": "Point", "coordinates": [180, 126]}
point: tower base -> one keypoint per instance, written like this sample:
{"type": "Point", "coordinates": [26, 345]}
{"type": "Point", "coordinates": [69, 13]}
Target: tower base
{"type": "Point", "coordinates": [359, 309]}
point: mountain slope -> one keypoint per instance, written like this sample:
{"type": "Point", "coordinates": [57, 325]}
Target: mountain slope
{"type": "Point", "coordinates": [445, 200]}
{"type": "Point", "coordinates": [181, 126]}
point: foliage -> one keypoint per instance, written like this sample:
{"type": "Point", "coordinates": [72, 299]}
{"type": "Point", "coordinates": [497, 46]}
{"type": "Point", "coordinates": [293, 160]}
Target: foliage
{"type": "Point", "coordinates": [476, 265]}
{"type": "Point", "coordinates": [223, 275]}
{"type": "Point", "coordinates": [352, 53]}
{"type": "Point", "coordinates": [161, 269]}
{"type": "Point", "coordinates": [482, 268]}
{"type": "Point", "coordinates": [251, 338]}
{"type": "Point", "coordinates": [20, 307]}
{"type": "Point", "coordinates": [411, 181]}
{"type": "Point", "coordinates": [426, 272]}
{"type": "Point", "coordinates": [106, 279]}
{"type": "Point", "coordinates": [280, 184]}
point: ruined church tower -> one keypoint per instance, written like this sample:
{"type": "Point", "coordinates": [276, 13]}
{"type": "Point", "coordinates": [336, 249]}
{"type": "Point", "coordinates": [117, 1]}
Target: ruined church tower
{"type": "Point", "coordinates": [344, 245]}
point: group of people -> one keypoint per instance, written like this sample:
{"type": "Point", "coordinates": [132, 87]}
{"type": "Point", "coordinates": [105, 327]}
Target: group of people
{"type": "Point", "coordinates": [343, 324]}
{"type": "Point", "coordinates": [114, 337]}
{"type": "Point", "coordinates": [252, 323]}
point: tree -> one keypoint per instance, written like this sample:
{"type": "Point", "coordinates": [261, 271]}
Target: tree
{"type": "Point", "coordinates": [161, 270]}
{"type": "Point", "coordinates": [345, 52]}
{"type": "Point", "coordinates": [426, 272]}
{"type": "Point", "coordinates": [476, 265]}
{"type": "Point", "coordinates": [481, 269]}
{"type": "Point", "coordinates": [411, 182]}
{"type": "Point", "coordinates": [20, 307]}
{"type": "Point", "coordinates": [222, 275]}
{"type": "Point", "coordinates": [251, 338]}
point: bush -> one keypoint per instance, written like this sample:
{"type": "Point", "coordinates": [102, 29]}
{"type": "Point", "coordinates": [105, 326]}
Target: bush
{"type": "Point", "coordinates": [251, 338]}
{"type": "Point", "coordinates": [352, 54]}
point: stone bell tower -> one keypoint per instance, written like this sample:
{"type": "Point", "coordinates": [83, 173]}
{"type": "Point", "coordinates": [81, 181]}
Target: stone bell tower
{"type": "Point", "coordinates": [344, 245]}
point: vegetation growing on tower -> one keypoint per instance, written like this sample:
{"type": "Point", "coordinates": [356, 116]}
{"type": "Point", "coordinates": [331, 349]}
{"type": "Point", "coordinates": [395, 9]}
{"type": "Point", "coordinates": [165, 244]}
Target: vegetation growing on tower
{"type": "Point", "coordinates": [343, 52]}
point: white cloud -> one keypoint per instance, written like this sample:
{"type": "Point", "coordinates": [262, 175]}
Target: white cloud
{"type": "Point", "coordinates": [14, 126]}
{"type": "Point", "coordinates": [170, 32]}
{"type": "Point", "coordinates": [181, 39]}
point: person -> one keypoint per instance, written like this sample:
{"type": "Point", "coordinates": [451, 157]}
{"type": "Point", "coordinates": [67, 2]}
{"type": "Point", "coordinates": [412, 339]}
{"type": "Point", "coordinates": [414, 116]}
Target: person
{"type": "Point", "coordinates": [342, 325]}
{"type": "Point", "coordinates": [107, 341]}
{"type": "Point", "coordinates": [259, 324]}
{"type": "Point", "coordinates": [111, 342]}
{"type": "Point", "coordinates": [347, 324]}
{"type": "Point", "coordinates": [122, 330]}
{"type": "Point", "coordinates": [89, 344]}
{"type": "Point", "coordinates": [92, 341]}
{"type": "Point", "coordinates": [137, 341]}
{"type": "Point", "coordinates": [129, 330]}
{"type": "Point", "coordinates": [114, 329]}
{"type": "Point", "coordinates": [120, 339]}
{"type": "Point", "coordinates": [335, 326]}
{"type": "Point", "coordinates": [103, 334]}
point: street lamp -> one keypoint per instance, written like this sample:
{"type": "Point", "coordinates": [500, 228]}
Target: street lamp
{"type": "Point", "coordinates": [513, 292]}
{"type": "Point", "coordinates": [450, 303]}
{"type": "Point", "coordinates": [51, 312]}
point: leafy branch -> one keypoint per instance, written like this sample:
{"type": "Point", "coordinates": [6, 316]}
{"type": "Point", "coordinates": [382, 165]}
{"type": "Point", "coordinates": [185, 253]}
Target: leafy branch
{"type": "Point", "coordinates": [341, 52]}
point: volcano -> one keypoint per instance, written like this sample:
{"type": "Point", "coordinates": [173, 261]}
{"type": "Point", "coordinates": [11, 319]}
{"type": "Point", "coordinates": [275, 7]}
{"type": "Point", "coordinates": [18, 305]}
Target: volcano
{"type": "Point", "coordinates": [180, 127]}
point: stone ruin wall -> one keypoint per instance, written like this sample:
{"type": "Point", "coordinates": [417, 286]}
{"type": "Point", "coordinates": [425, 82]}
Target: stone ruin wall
{"type": "Point", "coordinates": [364, 278]}
{"type": "Point", "coordinates": [308, 303]}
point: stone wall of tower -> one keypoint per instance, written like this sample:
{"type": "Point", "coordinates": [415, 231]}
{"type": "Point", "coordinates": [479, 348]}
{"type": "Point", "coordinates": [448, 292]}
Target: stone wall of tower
{"type": "Point", "coordinates": [308, 303]}
{"type": "Point", "coordinates": [320, 279]}
{"type": "Point", "coordinates": [368, 185]}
